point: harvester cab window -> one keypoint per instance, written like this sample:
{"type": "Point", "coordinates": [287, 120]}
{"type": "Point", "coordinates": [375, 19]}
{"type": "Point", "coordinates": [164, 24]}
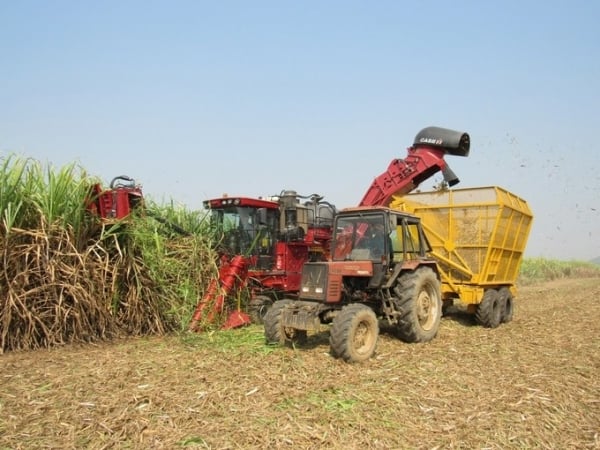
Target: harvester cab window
{"type": "Point", "coordinates": [237, 228]}
{"type": "Point", "coordinates": [267, 229]}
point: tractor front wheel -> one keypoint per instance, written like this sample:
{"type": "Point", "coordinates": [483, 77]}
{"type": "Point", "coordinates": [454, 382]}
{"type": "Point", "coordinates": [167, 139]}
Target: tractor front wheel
{"type": "Point", "coordinates": [275, 332]}
{"type": "Point", "coordinates": [258, 307]}
{"type": "Point", "coordinates": [354, 332]}
{"type": "Point", "coordinates": [490, 310]}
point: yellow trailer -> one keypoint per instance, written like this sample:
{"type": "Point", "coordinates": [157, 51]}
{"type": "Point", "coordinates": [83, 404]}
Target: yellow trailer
{"type": "Point", "coordinates": [478, 236]}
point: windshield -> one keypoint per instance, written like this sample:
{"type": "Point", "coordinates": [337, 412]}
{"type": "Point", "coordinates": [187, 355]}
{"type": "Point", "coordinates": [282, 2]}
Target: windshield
{"type": "Point", "coordinates": [245, 230]}
{"type": "Point", "coordinates": [363, 237]}
{"type": "Point", "coordinates": [360, 237]}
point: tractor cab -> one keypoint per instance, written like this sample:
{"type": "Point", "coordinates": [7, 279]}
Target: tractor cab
{"type": "Point", "coordinates": [370, 247]}
{"type": "Point", "coordinates": [379, 235]}
{"type": "Point", "coordinates": [245, 226]}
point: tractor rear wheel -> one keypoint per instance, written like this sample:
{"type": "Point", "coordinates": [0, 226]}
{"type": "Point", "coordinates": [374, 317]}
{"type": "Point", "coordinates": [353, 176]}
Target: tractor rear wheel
{"type": "Point", "coordinates": [354, 332]}
{"type": "Point", "coordinates": [419, 300]}
{"type": "Point", "coordinates": [507, 305]}
{"type": "Point", "coordinates": [275, 332]}
{"type": "Point", "coordinates": [258, 307]}
{"type": "Point", "coordinates": [490, 310]}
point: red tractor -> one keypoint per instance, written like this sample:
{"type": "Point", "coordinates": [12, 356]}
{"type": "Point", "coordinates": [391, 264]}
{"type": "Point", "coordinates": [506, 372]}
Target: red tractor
{"type": "Point", "coordinates": [380, 269]}
{"type": "Point", "coordinates": [263, 245]}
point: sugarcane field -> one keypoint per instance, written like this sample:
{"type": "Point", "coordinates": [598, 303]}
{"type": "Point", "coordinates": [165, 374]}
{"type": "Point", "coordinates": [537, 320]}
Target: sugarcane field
{"type": "Point", "coordinates": [127, 323]}
{"type": "Point", "coordinates": [270, 225]}
{"type": "Point", "coordinates": [530, 384]}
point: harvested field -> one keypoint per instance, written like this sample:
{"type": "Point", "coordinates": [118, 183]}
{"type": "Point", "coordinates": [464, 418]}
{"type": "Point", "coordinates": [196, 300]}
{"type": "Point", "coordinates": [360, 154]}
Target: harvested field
{"type": "Point", "coordinates": [530, 384]}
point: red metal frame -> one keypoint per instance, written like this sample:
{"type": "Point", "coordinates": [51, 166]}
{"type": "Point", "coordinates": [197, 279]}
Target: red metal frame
{"type": "Point", "coordinates": [115, 203]}
{"type": "Point", "coordinates": [404, 175]}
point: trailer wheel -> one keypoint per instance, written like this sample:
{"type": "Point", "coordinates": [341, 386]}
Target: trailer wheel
{"type": "Point", "coordinates": [507, 305]}
{"type": "Point", "coordinates": [275, 333]}
{"type": "Point", "coordinates": [419, 301]}
{"type": "Point", "coordinates": [258, 307]}
{"type": "Point", "coordinates": [354, 332]}
{"type": "Point", "coordinates": [489, 312]}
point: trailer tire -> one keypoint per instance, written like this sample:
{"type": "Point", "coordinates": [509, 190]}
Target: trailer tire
{"type": "Point", "coordinates": [354, 333]}
{"type": "Point", "coordinates": [490, 310]}
{"type": "Point", "coordinates": [507, 305]}
{"type": "Point", "coordinates": [275, 333]}
{"type": "Point", "coordinates": [258, 307]}
{"type": "Point", "coordinates": [419, 301]}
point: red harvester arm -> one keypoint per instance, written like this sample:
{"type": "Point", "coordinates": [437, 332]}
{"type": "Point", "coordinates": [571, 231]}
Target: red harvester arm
{"type": "Point", "coordinates": [230, 276]}
{"type": "Point", "coordinates": [404, 175]}
{"type": "Point", "coordinates": [425, 158]}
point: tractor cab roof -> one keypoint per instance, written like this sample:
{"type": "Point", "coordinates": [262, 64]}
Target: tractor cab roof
{"type": "Point", "coordinates": [374, 209]}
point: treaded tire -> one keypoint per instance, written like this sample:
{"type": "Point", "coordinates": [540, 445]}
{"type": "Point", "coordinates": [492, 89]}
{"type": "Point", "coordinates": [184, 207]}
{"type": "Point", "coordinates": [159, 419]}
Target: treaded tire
{"type": "Point", "coordinates": [354, 333]}
{"type": "Point", "coordinates": [258, 307]}
{"type": "Point", "coordinates": [275, 333]}
{"type": "Point", "coordinates": [490, 310]}
{"type": "Point", "coordinates": [419, 301]}
{"type": "Point", "coordinates": [507, 305]}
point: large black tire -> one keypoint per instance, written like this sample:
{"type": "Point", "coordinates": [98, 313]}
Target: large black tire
{"type": "Point", "coordinates": [258, 307]}
{"type": "Point", "coordinates": [419, 300]}
{"type": "Point", "coordinates": [490, 310]}
{"type": "Point", "coordinates": [507, 305]}
{"type": "Point", "coordinates": [275, 333]}
{"type": "Point", "coordinates": [354, 332]}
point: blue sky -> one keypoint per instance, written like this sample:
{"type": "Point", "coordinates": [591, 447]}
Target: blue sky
{"type": "Point", "coordinates": [194, 99]}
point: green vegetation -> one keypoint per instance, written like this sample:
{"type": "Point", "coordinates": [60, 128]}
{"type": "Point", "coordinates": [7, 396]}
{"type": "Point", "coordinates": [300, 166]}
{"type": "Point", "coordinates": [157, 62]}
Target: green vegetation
{"type": "Point", "coordinates": [542, 269]}
{"type": "Point", "coordinates": [69, 277]}
{"type": "Point", "coordinates": [168, 266]}
{"type": "Point", "coordinates": [33, 197]}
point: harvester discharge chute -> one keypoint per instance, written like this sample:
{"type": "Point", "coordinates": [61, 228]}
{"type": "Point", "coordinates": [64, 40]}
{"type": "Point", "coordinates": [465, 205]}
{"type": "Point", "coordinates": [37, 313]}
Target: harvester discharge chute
{"type": "Point", "coordinates": [424, 159]}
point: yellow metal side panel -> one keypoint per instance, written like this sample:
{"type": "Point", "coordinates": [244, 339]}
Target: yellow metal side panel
{"type": "Point", "coordinates": [478, 235]}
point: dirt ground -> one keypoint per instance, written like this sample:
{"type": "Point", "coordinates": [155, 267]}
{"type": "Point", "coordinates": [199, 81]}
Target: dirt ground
{"type": "Point", "coordinates": [533, 383]}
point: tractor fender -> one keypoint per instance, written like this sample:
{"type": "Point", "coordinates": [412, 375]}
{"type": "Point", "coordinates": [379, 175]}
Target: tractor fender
{"type": "Point", "coordinates": [409, 266]}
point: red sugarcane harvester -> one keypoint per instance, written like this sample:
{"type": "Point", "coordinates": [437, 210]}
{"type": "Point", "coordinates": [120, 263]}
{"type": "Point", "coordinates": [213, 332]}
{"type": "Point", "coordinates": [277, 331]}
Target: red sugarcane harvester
{"type": "Point", "coordinates": [263, 244]}
{"type": "Point", "coordinates": [269, 260]}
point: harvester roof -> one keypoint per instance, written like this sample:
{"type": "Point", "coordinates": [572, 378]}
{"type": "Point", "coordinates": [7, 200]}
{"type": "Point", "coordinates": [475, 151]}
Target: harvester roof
{"type": "Point", "coordinates": [240, 201]}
